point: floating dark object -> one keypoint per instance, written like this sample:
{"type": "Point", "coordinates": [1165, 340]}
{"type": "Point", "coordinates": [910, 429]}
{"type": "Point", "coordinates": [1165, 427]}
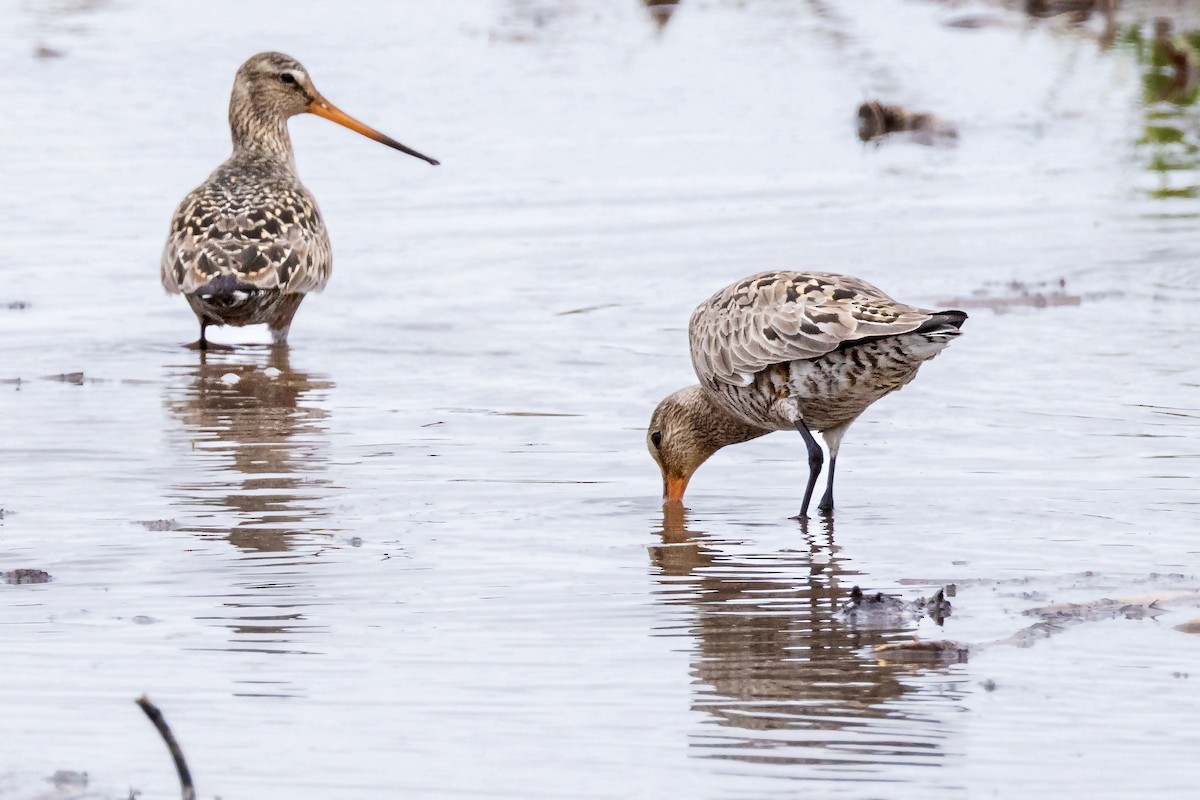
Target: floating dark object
{"type": "Point", "coordinates": [661, 11]}
{"type": "Point", "coordinates": [876, 120]}
{"type": "Point", "coordinates": [1104, 608]}
{"type": "Point", "coordinates": [1077, 13]}
{"type": "Point", "coordinates": [76, 378]}
{"type": "Point", "coordinates": [1017, 294]}
{"type": "Point", "coordinates": [976, 21]}
{"type": "Point", "coordinates": [884, 610]}
{"type": "Point", "coordinates": [159, 524]}
{"type": "Point", "coordinates": [68, 782]}
{"type": "Point", "coordinates": [18, 576]}
{"type": "Point", "coordinates": [919, 651]}
{"type": "Point", "coordinates": [1079, 10]}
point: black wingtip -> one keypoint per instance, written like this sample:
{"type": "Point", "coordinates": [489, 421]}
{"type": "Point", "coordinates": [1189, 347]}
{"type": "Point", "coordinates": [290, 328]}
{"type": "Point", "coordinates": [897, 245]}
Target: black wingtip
{"type": "Point", "coordinates": [953, 317]}
{"type": "Point", "coordinates": [941, 321]}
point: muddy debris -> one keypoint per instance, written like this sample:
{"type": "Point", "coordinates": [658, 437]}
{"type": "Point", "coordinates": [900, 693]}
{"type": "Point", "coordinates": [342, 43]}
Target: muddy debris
{"type": "Point", "coordinates": [1087, 579]}
{"type": "Point", "coordinates": [1104, 608]}
{"type": "Point", "coordinates": [1019, 294]}
{"type": "Point", "coordinates": [876, 121]}
{"type": "Point", "coordinates": [879, 610]}
{"type": "Point", "coordinates": [76, 378]}
{"type": "Point", "coordinates": [1075, 10]}
{"type": "Point", "coordinates": [68, 785]}
{"type": "Point", "coordinates": [978, 20]}
{"type": "Point", "coordinates": [1064, 15]}
{"type": "Point", "coordinates": [159, 524]}
{"type": "Point", "coordinates": [661, 11]}
{"type": "Point", "coordinates": [21, 576]}
{"type": "Point", "coordinates": [1058, 618]}
{"type": "Point", "coordinates": [921, 651]}
{"type": "Point", "coordinates": [970, 22]}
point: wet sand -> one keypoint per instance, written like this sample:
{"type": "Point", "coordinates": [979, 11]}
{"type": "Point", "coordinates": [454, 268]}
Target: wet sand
{"type": "Point", "coordinates": [422, 554]}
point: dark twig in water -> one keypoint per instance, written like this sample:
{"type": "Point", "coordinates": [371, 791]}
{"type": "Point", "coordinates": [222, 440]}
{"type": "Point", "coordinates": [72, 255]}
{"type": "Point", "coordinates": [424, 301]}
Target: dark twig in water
{"type": "Point", "coordinates": [164, 730]}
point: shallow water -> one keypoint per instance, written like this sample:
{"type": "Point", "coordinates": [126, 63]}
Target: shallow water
{"type": "Point", "coordinates": [422, 553]}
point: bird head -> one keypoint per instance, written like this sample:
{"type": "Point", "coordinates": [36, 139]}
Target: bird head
{"type": "Point", "coordinates": [685, 430]}
{"type": "Point", "coordinates": [274, 84]}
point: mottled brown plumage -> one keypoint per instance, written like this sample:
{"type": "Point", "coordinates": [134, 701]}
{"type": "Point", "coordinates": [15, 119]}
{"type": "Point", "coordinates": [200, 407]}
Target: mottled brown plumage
{"type": "Point", "coordinates": [783, 350]}
{"type": "Point", "coordinates": [247, 244]}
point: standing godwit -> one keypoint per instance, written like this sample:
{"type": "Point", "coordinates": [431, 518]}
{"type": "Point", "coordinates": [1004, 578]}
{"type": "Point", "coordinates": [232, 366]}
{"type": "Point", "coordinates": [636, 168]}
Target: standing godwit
{"type": "Point", "coordinates": [247, 244]}
{"type": "Point", "coordinates": [783, 350]}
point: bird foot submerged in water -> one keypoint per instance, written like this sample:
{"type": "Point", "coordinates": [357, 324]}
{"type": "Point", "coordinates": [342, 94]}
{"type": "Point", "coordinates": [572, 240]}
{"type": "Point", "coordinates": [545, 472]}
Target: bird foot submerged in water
{"type": "Point", "coordinates": [204, 345]}
{"type": "Point", "coordinates": [825, 514]}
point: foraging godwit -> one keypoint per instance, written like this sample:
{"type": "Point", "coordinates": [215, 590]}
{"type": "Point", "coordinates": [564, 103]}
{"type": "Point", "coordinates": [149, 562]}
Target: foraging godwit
{"type": "Point", "coordinates": [783, 350]}
{"type": "Point", "coordinates": [247, 244]}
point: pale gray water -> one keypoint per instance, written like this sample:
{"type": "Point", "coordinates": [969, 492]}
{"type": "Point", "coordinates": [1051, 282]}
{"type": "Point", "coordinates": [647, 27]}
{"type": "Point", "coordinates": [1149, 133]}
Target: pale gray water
{"type": "Point", "coordinates": [427, 558]}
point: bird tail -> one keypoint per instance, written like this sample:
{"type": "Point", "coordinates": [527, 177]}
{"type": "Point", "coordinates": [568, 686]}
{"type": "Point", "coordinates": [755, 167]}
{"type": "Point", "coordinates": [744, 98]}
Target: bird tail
{"type": "Point", "coordinates": [226, 291]}
{"type": "Point", "coordinates": [943, 326]}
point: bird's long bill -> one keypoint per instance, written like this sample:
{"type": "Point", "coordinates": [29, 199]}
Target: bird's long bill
{"type": "Point", "coordinates": [673, 489]}
{"type": "Point", "coordinates": [323, 108]}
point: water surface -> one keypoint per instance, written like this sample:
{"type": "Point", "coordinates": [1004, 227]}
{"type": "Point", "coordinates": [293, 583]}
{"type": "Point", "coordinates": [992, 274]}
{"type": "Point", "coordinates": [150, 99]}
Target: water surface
{"type": "Point", "coordinates": [422, 554]}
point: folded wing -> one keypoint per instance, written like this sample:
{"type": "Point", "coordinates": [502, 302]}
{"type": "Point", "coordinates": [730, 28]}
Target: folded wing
{"type": "Point", "coordinates": [777, 317]}
{"type": "Point", "coordinates": [271, 246]}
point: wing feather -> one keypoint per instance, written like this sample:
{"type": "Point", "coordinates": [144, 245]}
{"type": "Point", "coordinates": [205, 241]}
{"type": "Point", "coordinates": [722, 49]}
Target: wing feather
{"type": "Point", "coordinates": [777, 317]}
{"type": "Point", "coordinates": [272, 237]}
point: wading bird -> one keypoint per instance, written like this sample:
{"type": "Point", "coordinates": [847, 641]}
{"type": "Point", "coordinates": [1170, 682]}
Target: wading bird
{"type": "Point", "coordinates": [790, 350]}
{"type": "Point", "coordinates": [248, 244]}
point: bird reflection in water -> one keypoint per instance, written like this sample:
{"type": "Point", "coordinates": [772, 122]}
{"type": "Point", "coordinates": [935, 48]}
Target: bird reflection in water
{"type": "Point", "coordinates": [252, 473]}
{"type": "Point", "coordinates": [777, 668]}
{"type": "Point", "coordinates": [262, 445]}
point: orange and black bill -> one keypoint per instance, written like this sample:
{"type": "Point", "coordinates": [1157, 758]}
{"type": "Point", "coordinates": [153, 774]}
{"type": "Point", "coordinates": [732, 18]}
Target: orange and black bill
{"type": "Point", "coordinates": [323, 108]}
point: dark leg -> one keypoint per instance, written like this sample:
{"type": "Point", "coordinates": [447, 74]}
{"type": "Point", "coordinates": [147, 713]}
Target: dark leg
{"type": "Point", "coordinates": [281, 318]}
{"type": "Point", "coordinates": [815, 459]}
{"type": "Point", "coordinates": [201, 343]}
{"type": "Point", "coordinates": [827, 500]}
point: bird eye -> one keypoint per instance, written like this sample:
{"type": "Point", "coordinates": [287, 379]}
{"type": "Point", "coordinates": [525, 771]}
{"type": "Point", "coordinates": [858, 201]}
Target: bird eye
{"type": "Point", "coordinates": [656, 439]}
{"type": "Point", "coordinates": [288, 77]}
